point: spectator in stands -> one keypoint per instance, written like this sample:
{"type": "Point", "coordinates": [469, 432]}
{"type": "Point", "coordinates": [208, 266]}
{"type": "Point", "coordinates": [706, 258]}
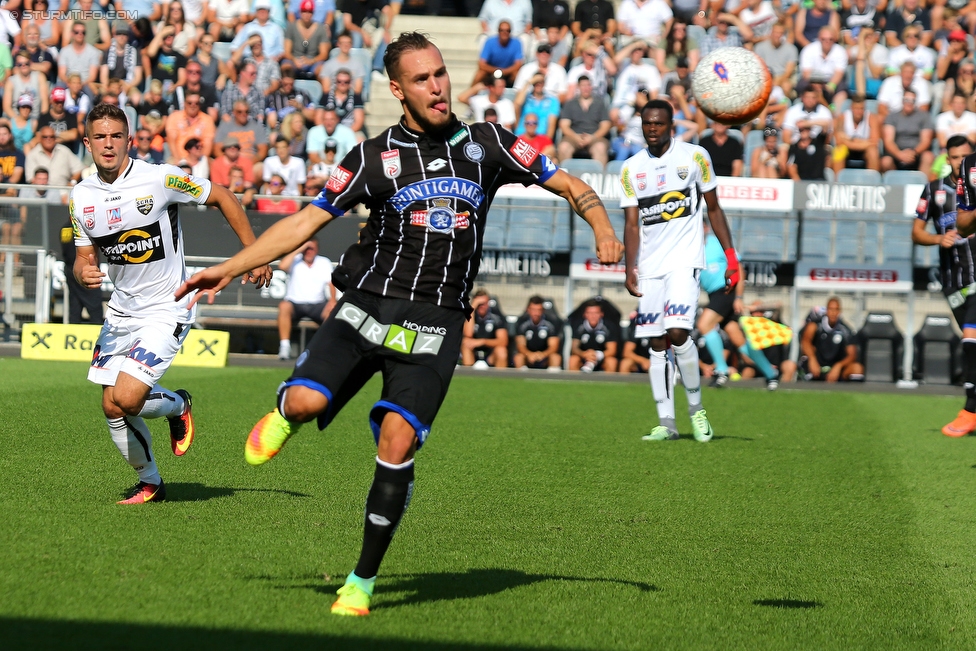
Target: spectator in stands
{"type": "Point", "coordinates": [824, 63]}
{"type": "Point", "coordinates": [491, 115]}
{"type": "Point", "coordinates": [347, 104]}
{"type": "Point", "coordinates": [809, 112]}
{"type": "Point", "coordinates": [627, 120]}
{"type": "Point", "coordinates": [287, 100]}
{"type": "Point", "coordinates": [268, 73]}
{"type": "Point", "coordinates": [138, 8]}
{"type": "Point", "coordinates": [276, 203]}
{"type": "Point", "coordinates": [310, 293]}
{"type": "Point", "coordinates": [540, 141]}
{"type": "Point", "coordinates": [719, 34]}
{"type": "Point", "coordinates": [673, 46]}
{"type": "Point", "coordinates": [585, 124]}
{"type": "Point", "coordinates": [635, 75]}
{"type": "Point", "coordinates": [343, 60]}
{"type": "Point", "coordinates": [41, 59]}
{"type": "Point", "coordinates": [141, 148]}
{"type": "Point", "coordinates": [907, 138]}
{"type": "Point", "coordinates": [485, 335]}
{"type": "Point", "coordinates": [770, 160]}
{"type": "Point", "coordinates": [957, 120]}
{"type": "Point", "coordinates": [153, 100]}
{"type": "Point", "coordinates": [780, 56]}
{"type": "Point", "coordinates": [213, 72]}
{"type": "Point", "coordinates": [63, 167]}
{"type": "Point", "coordinates": [855, 16]}
{"type": "Point", "coordinates": [229, 158]}
{"type": "Point", "coordinates": [190, 123]}
{"type": "Point", "coordinates": [320, 172]}
{"type": "Point", "coordinates": [22, 126]}
{"type": "Point", "coordinates": [81, 57]}
{"type": "Point", "coordinates": [561, 49]}
{"type": "Point", "coordinates": [501, 57]}
{"type": "Point", "coordinates": [123, 61]}
{"type": "Point", "coordinates": [554, 75]}
{"type": "Point", "coordinates": [870, 58]}
{"type": "Point", "coordinates": [28, 82]}
{"type": "Point", "coordinates": [517, 14]}
{"type": "Point", "coordinates": [912, 50]}
{"type": "Point", "coordinates": [185, 41]}
{"type": "Point", "coordinates": [11, 161]}
{"type": "Point", "coordinates": [240, 187]}
{"type": "Point", "coordinates": [909, 12]}
{"type": "Point", "coordinates": [245, 91]}
{"type": "Point", "coordinates": [194, 12]}
{"type": "Point", "coordinates": [810, 21]}
{"type": "Point", "coordinates": [828, 349]}
{"type": "Point", "coordinates": [550, 13]}
{"type": "Point", "coordinates": [251, 134]}
{"type": "Point", "coordinates": [760, 16]}
{"type": "Point", "coordinates": [272, 35]}
{"type": "Point", "coordinates": [644, 19]}
{"type": "Point", "coordinates": [535, 100]}
{"type": "Point", "coordinates": [893, 88]}
{"type": "Point", "coordinates": [227, 18]}
{"type": "Point", "coordinates": [856, 136]}
{"type": "Point", "coordinates": [594, 342]}
{"type": "Point", "coordinates": [688, 121]}
{"type": "Point", "coordinates": [154, 123]}
{"type": "Point", "coordinates": [495, 98]}
{"type": "Point", "coordinates": [65, 125]}
{"type": "Point", "coordinates": [636, 357]}
{"type": "Point", "coordinates": [195, 159]}
{"type": "Point", "coordinates": [322, 12]}
{"type": "Point", "coordinates": [75, 101]}
{"type": "Point", "coordinates": [294, 130]}
{"type": "Point", "coordinates": [209, 100]}
{"type": "Point", "coordinates": [48, 29]}
{"type": "Point", "coordinates": [96, 26]}
{"type": "Point", "coordinates": [953, 57]}
{"type": "Point", "coordinates": [307, 41]}
{"type": "Point", "coordinates": [680, 76]}
{"type": "Point", "coordinates": [594, 21]}
{"type": "Point", "coordinates": [163, 62]}
{"type": "Point", "coordinates": [327, 127]}
{"type": "Point", "coordinates": [536, 339]}
{"type": "Point", "coordinates": [288, 168]}
{"type": "Point", "coordinates": [596, 66]}
{"type": "Point", "coordinates": [369, 22]}
{"type": "Point", "coordinates": [808, 156]}
{"type": "Point", "coordinates": [726, 151]}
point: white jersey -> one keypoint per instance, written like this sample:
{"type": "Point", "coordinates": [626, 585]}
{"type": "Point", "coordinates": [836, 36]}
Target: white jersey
{"type": "Point", "coordinates": [667, 192]}
{"type": "Point", "coordinates": [134, 225]}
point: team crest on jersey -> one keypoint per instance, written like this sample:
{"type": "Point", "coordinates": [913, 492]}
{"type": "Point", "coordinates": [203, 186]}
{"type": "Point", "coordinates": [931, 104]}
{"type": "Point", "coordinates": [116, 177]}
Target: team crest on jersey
{"type": "Point", "coordinates": [89, 217]}
{"type": "Point", "coordinates": [144, 204]}
{"type": "Point", "coordinates": [474, 152]}
{"type": "Point", "coordinates": [641, 180]}
{"type": "Point", "coordinates": [524, 152]}
{"type": "Point", "coordinates": [113, 217]}
{"type": "Point", "coordinates": [184, 184]}
{"type": "Point", "coordinates": [441, 218]}
{"type": "Point", "coordinates": [940, 198]}
{"type": "Point", "coordinates": [683, 172]}
{"type": "Point", "coordinates": [391, 163]}
{"type": "Point", "coordinates": [922, 206]}
{"type": "Point", "coordinates": [339, 179]}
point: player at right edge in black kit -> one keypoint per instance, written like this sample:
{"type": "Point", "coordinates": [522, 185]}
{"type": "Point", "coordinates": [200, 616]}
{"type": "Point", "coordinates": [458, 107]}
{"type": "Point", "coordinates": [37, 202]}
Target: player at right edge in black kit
{"type": "Point", "coordinates": [428, 183]}
{"type": "Point", "coordinates": [940, 201]}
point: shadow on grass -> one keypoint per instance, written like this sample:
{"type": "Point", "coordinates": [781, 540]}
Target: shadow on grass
{"type": "Point", "coordinates": [193, 492]}
{"type": "Point", "coordinates": [787, 603]}
{"type": "Point", "coordinates": [450, 586]}
{"type": "Point", "coordinates": [20, 633]}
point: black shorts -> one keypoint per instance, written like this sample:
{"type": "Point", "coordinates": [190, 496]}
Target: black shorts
{"type": "Point", "coordinates": [311, 311]}
{"type": "Point", "coordinates": [721, 302]}
{"type": "Point", "coordinates": [414, 345]}
{"type": "Point", "coordinates": [965, 314]}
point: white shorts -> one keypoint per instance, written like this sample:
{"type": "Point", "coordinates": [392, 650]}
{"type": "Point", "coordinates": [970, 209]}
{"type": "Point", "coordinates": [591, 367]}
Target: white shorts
{"type": "Point", "coordinates": [142, 348]}
{"type": "Point", "coordinates": [668, 301]}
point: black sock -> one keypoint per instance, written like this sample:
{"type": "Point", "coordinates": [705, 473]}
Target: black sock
{"type": "Point", "coordinates": [969, 372]}
{"type": "Point", "coordinates": [387, 500]}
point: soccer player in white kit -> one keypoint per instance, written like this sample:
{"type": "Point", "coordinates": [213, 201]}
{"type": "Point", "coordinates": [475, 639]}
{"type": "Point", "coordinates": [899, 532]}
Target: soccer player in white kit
{"type": "Point", "coordinates": [128, 214]}
{"type": "Point", "coordinates": [666, 188]}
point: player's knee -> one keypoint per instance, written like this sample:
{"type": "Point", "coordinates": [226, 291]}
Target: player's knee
{"type": "Point", "coordinates": [678, 336]}
{"type": "Point", "coordinates": [286, 308]}
{"type": "Point", "coordinates": [301, 404]}
{"type": "Point", "coordinates": [109, 408]}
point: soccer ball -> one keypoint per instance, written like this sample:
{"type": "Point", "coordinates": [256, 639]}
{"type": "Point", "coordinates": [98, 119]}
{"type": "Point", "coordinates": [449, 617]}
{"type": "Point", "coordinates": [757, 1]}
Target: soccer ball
{"type": "Point", "coordinates": [731, 85]}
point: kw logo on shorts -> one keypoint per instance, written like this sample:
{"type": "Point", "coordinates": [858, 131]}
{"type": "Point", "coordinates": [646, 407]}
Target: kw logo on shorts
{"type": "Point", "coordinates": [134, 246]}
{"type": "Point", "coordinates": [409, 339]}
{"type": "Point", "coordinates": [664, 207]}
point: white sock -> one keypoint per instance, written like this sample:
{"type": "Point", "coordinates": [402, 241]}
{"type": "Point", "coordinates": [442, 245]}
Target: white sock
{"type": "Point", "coordinates": [162, 402]}
{"type": "Point", "coordinates": [285, 343]}
{"type": "Point", "coordinates": [132, 438]}
{"type": "Point", "coordinates": [660, 373]}
{"type": "Point", "coordinates": [686, 357]}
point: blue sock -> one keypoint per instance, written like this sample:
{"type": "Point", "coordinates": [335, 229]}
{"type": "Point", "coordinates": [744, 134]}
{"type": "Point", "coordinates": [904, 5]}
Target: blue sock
{"type": "Point", "coordinates": [713, 342]}
{"type": "Point", "coordinates": [366, 585]}
{"type": "Point", "coordinates": [759, 358]}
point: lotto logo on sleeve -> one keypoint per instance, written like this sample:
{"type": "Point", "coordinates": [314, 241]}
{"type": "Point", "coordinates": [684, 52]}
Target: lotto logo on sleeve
{"type": "Point", "coordinates": [339, 180]}
{"type": "Point", "coordinates": [524, 152]}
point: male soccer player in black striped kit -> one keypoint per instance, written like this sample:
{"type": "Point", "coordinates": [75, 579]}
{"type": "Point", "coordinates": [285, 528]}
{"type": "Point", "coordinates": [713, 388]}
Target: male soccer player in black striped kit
{"type": "Point", "coordinates": [428, 182]}
{"type": "Point", "coordinates": [943, 202]}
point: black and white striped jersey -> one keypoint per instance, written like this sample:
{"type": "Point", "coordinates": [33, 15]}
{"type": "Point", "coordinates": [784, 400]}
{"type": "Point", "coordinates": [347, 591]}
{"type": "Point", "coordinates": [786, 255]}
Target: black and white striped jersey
{"type": "Point", "coordinates": [939, 203]}
{"type": "Point", "coordinates": [428, 195]}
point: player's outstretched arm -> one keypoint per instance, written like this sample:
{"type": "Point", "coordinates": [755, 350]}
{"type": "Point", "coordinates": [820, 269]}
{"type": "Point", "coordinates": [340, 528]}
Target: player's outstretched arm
{"type": "Point", "coordinates": [632, 246]}
{"type": "Point", "coordinates": [232, 210]}
{"type": "Point", "coordinates": [285, 236]}
{"type": "Point", "coordinates": [720, 226]}
{"type": "Point", "coordinates": [587, 205]}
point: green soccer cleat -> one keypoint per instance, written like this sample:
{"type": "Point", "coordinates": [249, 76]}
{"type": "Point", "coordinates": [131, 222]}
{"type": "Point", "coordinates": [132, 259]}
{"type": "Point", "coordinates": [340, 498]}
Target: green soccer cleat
{"type": "Point", "coordinates": [353, 601]}
{"type": "Point", "coordinates": [268, 437]}
{"type": "Point", "coordinates": [661, 433]}
{"type": "Point", "coordinates": [701, 428]}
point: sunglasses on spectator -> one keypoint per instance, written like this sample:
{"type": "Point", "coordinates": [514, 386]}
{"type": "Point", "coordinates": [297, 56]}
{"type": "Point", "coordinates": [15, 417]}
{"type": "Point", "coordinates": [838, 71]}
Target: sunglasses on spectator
{"type": "Point", "coordinates": [232, 147]}
{"type": "Point", "coordinates": [143, 138]}
{"type": "Point", "coordinates": [193, 103]}
{"type": "Point", "coordinates": [79, 31]}
{"type": "Point", "coordinates": [23, 64]}
{"type": "Point", "coordinates": [504, 31]}
{"type": "Point", "coordinates": [531, 123]}
{"type": "Point", "coordinates": [193, 72]}
{"type": "Point", "coordinates": [47, 137]}
{"type": "Point", "coordinates": [275, 184]}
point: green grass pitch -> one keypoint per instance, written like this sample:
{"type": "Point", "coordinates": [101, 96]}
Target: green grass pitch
{"type": "Point", "coordinates": [540, 521]}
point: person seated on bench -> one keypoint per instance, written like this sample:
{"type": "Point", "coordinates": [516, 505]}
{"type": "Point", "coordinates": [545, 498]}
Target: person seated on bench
{"type": "Point", "coordinates": [310, 291]}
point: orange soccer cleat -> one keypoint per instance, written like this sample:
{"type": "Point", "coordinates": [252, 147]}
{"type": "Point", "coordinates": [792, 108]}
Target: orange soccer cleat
{"type": "Point", "coordinates": [142, 493]}
{"type": "Point", "coordinates": [964, 423]}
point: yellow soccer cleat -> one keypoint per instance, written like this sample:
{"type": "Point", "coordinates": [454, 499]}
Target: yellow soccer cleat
{"type": "Point", "coordinates": [353, 601]}
{"type": "Point", "coordinates": [268, 437]}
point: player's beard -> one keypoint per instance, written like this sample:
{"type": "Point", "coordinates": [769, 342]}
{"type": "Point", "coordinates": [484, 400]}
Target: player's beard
{"type": "Point", "coordinates": [422, 114]}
